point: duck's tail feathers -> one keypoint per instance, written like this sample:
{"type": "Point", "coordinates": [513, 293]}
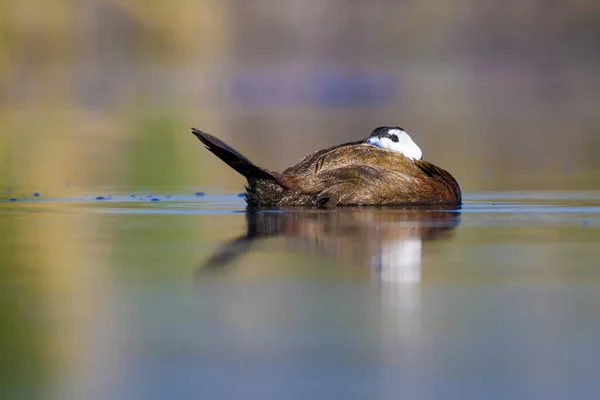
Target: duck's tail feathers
{"type": "Point", "coordinates": [232, 157]}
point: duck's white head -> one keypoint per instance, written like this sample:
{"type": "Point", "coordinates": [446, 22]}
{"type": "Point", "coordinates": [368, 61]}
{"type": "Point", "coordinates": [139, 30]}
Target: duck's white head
{"type": "Point", "coordinates": [396, 139]}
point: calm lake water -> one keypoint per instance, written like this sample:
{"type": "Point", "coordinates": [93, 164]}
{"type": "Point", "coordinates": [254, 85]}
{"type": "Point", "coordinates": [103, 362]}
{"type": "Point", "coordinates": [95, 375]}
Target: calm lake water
{"type": "Point", "coordinates": [191, 297]}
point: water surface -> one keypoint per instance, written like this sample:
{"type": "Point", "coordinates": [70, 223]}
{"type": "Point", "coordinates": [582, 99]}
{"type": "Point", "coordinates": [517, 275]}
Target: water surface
{"type": "Point", "coordinates": [189, 295]}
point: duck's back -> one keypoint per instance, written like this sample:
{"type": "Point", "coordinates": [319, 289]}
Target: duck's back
{"type": "Point", "coordinates": [361, 174]}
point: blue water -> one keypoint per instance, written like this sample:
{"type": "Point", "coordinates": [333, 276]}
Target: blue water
{"type": "Point", "coordinates": [192, 297]}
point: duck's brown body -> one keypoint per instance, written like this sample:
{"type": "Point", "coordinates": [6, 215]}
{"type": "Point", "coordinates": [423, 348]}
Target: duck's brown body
{"type": "Point", "coordinates": [350, 174]}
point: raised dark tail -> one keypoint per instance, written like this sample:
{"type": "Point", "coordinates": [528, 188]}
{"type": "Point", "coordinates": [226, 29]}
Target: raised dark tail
{"type": "Point", "coordinates": [232, 157]}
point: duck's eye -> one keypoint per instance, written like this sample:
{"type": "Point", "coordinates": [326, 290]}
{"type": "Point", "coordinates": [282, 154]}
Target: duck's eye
{"type": "Point", "coordinates": [394, 138]}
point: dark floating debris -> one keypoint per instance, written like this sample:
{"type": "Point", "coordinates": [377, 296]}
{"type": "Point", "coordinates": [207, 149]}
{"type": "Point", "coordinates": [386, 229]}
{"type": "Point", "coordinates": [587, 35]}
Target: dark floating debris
{"type": "Point", "coordinates": [12, 199]}
{"type": "Point", "coordinates": [154, 199]}
{"type": "Point", "coordinates": [241, 194]}
{"type": "Point", "coordinates": [199, 194]}
{"type": "Point", "coordinates": [168, 196]}
{"type": "Point", "coordinates": [100, 198]}
{"type": "Point", "coordinates": [132, 196]}
{"type": "Point", "coordinates": [36, 194]}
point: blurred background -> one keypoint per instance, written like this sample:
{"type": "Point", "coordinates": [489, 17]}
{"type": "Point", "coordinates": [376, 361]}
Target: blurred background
{"type": "Point", "coordinates": [97, 97]}
{"type": "Point", "coordinates": [101, 93]}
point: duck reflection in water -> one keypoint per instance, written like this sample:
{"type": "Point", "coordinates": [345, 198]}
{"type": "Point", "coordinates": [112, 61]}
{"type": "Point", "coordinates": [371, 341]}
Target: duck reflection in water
{"type": "Point", "coordinates": [389, 240]}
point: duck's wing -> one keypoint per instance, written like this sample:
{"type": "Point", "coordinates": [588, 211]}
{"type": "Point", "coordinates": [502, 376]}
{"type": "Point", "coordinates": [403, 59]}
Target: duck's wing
{"type": "Point", "coordinates": [351, 173]}
{"type": "Point", "coordinates": [352, 185]}
{"type": "Point", "coordinates": [368, 184]}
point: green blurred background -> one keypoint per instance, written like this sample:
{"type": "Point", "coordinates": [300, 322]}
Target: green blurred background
{"type": "Point", "coordinates": [100, 94]}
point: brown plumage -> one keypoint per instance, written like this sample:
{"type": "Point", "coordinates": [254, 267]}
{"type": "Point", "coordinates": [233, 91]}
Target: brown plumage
{"type": "Point", "coordinates": [350, 174]}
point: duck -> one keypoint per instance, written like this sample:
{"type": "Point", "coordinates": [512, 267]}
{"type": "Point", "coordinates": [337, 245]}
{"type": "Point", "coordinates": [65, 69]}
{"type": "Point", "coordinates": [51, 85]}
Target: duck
{"type": "Point", "coordinates": [385, 169]}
